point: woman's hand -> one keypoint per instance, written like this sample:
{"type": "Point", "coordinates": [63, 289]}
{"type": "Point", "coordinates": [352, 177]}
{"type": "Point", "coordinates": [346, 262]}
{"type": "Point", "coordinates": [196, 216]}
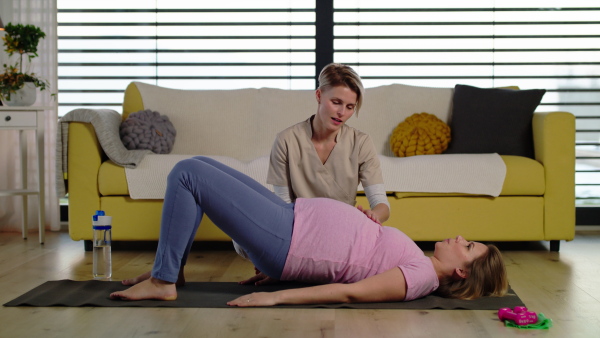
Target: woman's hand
{"type": "Point", "coordinates": [369, 213]}
{"type": "Point", "coordinates": [259, 279]}
{"type": "Point", "coordinates": [255, 299]}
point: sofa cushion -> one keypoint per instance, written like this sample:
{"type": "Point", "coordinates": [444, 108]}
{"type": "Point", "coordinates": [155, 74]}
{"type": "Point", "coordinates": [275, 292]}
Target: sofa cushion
{"type": "Point", "coordinates": [236, 123]}
{"type": "Point", "coordinates": [524, 177]}
{"type": "Point", "coordinates": [112, 180]}
{"type": "Point", "coordinates": [240, 124]}
{"type": "Point", "coordinates": [491, 120]}
{"type": "Point", "coordinates": [385, 107]}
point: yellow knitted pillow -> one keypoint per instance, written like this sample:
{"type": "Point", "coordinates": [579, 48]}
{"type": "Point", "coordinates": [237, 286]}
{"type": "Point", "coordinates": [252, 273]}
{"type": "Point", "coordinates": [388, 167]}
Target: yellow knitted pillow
{"type": "Point", "coordinates": [420, 134]}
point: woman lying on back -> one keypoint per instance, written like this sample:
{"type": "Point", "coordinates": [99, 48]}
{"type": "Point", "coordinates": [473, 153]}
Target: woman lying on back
{"type": "Point", "coordinates": [317, 240]}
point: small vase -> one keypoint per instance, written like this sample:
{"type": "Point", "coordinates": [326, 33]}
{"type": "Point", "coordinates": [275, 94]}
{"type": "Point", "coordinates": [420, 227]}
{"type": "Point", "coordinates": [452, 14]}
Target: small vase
{"type": "Point", "coordinates": [25, 96]}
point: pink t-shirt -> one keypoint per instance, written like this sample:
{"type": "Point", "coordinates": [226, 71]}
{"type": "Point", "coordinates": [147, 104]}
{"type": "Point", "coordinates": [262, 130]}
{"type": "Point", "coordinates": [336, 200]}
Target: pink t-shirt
{"type": "Point", "coordinates": [333, 242]}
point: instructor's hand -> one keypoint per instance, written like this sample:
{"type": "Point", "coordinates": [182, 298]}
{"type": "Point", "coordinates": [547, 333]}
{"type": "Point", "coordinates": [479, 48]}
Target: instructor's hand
{"type": "Point", "coordinates": [259, 279]}
{"type": "Point", "coordinates": [372, 215]}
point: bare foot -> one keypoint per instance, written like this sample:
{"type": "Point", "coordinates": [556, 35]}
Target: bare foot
{"type": "Point", "coordinates": [136, 280]}
{"type": "Point", "coordinates": [151, 288]}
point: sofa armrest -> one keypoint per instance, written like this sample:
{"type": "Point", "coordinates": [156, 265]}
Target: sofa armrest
{"type": "Point", "coordinates": [84, 158]}
{"type": "Point", "coordinates": [132, 100]}
{"type": "Point", "coordinates": [554, 144]}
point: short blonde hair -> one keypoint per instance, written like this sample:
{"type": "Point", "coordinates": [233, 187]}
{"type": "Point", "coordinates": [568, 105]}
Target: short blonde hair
{"type": "Point", "coordinates": [336, 74]}
{"type": "Point", "coordinates": [487, 277]}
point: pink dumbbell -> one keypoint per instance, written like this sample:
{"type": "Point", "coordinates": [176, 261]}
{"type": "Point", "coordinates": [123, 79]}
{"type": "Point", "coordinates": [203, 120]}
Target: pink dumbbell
{"type": "Point", "coordinates": [519, 315]}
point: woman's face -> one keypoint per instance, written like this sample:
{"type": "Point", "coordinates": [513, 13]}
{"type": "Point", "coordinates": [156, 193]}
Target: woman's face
{"type": "Point", "coordinates": [458, 253]}
{"type": "Point", "coordinates": [336, 106]}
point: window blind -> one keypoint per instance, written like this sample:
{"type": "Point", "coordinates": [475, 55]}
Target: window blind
{"type": "Point", "coordinates": [553, 45]}
{"type": "Point", "coordinates": [103, 46]}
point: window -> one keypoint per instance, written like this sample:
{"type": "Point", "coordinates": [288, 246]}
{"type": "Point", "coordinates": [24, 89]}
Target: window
{"type": "Point", "coordinates": [103, 46]}
{"type": "Point", "coordinates": [551, 44]}
{"type": "Point", "coordinates": [486, 44]}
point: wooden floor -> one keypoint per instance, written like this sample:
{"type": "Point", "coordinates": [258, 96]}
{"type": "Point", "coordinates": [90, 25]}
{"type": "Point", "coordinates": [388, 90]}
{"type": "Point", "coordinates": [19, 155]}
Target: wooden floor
{"type": "Point", "coordinates": [565, 286]}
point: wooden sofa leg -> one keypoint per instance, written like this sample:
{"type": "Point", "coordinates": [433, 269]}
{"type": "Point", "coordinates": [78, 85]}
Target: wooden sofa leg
{"type": "Point", "coordinates": [554, 246]}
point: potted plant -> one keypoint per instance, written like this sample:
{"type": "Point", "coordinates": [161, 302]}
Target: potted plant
{"type": "Point", "coordinates": [17, 85]}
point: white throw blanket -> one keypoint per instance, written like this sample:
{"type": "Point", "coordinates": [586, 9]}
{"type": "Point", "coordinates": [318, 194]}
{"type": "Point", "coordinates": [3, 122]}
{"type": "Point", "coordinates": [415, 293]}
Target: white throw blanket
{"type": "Point", "coordinates": [149, 179]}
{"type": "Point", "coordinates": [478, 174]}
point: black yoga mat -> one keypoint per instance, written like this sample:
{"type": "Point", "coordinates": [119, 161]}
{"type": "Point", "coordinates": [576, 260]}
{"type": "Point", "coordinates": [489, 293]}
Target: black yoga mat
{"type": "Point", "coordinates": [216, 294]}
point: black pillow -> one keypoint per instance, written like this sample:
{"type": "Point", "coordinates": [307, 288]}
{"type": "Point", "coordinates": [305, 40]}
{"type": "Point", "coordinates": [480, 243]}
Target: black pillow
{"type": "Point", "coordinates": [493, 120]}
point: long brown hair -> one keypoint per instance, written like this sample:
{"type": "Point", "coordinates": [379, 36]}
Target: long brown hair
{"type": "Point", "coordinates": [336, 74]}
{"type": "Point", "coordinates": [487, 277]}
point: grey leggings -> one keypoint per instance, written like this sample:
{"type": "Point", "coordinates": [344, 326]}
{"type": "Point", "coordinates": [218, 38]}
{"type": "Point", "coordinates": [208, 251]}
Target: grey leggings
{"type": "Point", "coordinates": [245, 210]}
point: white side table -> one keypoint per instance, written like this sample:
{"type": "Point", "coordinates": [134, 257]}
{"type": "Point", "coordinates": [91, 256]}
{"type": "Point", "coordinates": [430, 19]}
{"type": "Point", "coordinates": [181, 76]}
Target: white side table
{"type": "Point", "coordinates": [22, 119]}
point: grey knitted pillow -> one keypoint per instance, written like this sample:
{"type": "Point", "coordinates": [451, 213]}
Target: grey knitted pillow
{"type": "Point", "coordinates": [148, 129]}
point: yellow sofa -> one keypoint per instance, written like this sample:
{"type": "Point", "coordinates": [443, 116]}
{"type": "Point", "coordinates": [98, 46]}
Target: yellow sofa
{"type": "Point", "coordinates": [536, 202]}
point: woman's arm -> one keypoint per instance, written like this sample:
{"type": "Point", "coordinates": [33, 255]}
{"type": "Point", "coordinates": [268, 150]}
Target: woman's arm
{"type": "Point", "coordinates": [283, 193]}
{"type": "Point", "coordinates": [380, 207]}
{"type": "Point", "coordinates": [371, 177]}
{"type": "Point", "coordinates": [384, 287]}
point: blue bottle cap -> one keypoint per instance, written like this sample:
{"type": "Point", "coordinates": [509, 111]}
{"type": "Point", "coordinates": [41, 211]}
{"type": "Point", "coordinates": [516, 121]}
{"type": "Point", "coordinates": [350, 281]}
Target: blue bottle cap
{"type": "Point", "coordinates": [98, 213]}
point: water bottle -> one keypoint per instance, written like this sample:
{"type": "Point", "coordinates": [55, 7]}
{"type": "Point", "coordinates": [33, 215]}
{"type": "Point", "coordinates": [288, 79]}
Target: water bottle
{"type": "Point", "coordinates": [102, 265]}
